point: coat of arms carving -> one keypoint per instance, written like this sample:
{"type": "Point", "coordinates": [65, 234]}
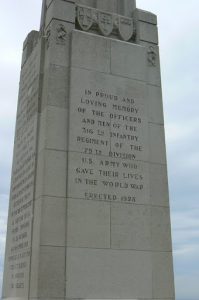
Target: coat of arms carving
{"type": "Point", "coordinates": [105, 23]}
{"type": "Point", "coordinates": [126, 28]}
{"type": "Point", "coordinates": [84, 17]}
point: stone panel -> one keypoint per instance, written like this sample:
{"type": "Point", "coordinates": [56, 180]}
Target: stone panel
{"type": "Point", "coordinates": [157, 144]}
{"type": "Point", "coordinates": [56, 86]}
{"type": "Point", "coordinates": [98, 274]}
{"type": "Point", "coordinates": [60, 10]}
{"type": "Point", "coordinates": [108, 129]}
{"type": "Point", "coordinates": [104, 179]}
{"type": "Point", "coordinates": [145, 16]}
{"type": "Point", "coordinates": [90, 51]}
{"type": "Point", "coordinates": [130, 227]}
{"type": "Point", "coordinates": [128, 60]}
{"type": "Point", "coordinates": [110, 6]}
{"type": "Point", "coordinates": [53, 127]}
{"type": "Point", "coordinates": [114, 106]}
{"type": "Point", "coordinates": [53, 221]}
{"type": "Point", "coordinates": [155, 108]}
{"type": "Point", "coordinates": [88, 224]}
{"type": "Point", "coordinates": [148, 33]}
{"type": "Point", "coordinates": [160, 229]}
{"type": "Point", "coordinates": [158, 185]}
{"type": "Point", "coordinates": [163, 281]}
{"type": "Point", "coordinates": [51, 174]}
{"type": "Point", "coordinates": [52, 273]}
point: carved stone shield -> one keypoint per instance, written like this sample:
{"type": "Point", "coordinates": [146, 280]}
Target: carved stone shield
{"type": "Point", "coordinates": [84, 17]}
{"type": "Point", "coordinates": [105, 23]}
{"type": "Point", "coordinates": [126, 28]}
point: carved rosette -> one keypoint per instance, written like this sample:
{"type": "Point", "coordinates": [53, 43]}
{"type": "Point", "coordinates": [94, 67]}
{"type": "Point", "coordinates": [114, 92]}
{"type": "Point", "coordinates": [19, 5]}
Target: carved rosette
{"type": "Point", "coordinates": [56, 34]}
{"type": "Point", "coordinates": [106, 22]}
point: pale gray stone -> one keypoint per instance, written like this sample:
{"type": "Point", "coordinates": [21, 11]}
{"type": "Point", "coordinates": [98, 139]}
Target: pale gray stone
{"type": "Point", "coordinates": [89, 194]}
{"type": "Point", "coordinates": [91, 3]}
{"type": "Point", "coordinates": [86, 268]}
{"type": "Point", "coordinates": [90, 52]}
{"type": "Point", "coordinates": [53, 127]}
{"type": "Point", "coordinates": [60, 10]}
{"type": "Point", "coordinates": [35, 257]}
{"type": "Point", "coordinates": [51, 174]}
{"type": "Point", "coordinates": [53, 221]}
{"type": "Point", "coordinates": [130, 227]}
{"type": "Point", "coordinates": [163, 281]}
{"type": "Point", "coordinates": [123, 7]}
{"type": "Point", "coordinates": [155, 108]}
{"type": "Point", "coordinates": [88, 224]}
{"type": "Point", "coordinates": [145, 16]}
{"type": "Point", "coordinates": [52, 272]}
{"type": "Point", "coordinates": [158, 185]}
{"type": "Point", "coordinates": [153, 71]}
{"type": "Point", "coordinates": [56, 80]}
{"type": "Point", "coordinates": [128, 60]}
{"type": "Point", "coordinates": [157, 144]}
{"type": "Point", "coordinates": [148, 33]}
{"type": "Point", "coordinates": [160, 229]}
{"type": "Point", "coordinates": [94, 182]}
{"type": "Point", "coordinates": [110, 5]}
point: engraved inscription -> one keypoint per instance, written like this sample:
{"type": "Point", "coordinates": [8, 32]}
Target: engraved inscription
{"type": "Point", "coordinates": [22, 184]}
{"type": "Point", "coordinates": [107, 145]}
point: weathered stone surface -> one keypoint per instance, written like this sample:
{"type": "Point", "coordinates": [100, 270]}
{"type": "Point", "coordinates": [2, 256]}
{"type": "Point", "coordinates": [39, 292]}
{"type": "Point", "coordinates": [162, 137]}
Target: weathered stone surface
{"type": "Point", "coordinates": [128, 60]}
{"type": "Point", "coordinates": [51, 174]}
{"type": "Point", "coordinates": [96, 55]}
{"type": "Point", "coordinates": [130, 227]}
{"type": "Point", "coordinates": [53, 126]}
{"type": "Point", "coordinates": [53, 223]}
{"type": "Point", "coordinates": [51, 272]}
{"type": "Point", "coordinates": [157, 144]}
{"type": "Point", "coordinates": [89, 215]}
{"type": "Point", "coordinates": [158, 185]}
{"type": "Point", "coordinates": [60, 11]}
{"type": "Point", "coordinates": [163, 283]}
{"type": "Point", "coordinates": [112, 269]}
{"type": "Point", "coordinates": [88, 224]}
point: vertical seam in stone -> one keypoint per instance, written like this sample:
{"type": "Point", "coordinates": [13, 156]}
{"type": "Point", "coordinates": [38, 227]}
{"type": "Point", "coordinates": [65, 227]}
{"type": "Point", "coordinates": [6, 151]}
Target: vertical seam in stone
{"type": "Point", "coordinates": [67, 159]}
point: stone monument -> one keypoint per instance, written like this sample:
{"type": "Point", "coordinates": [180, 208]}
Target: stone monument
{"type": "Point", "coordinates": [89, 211]}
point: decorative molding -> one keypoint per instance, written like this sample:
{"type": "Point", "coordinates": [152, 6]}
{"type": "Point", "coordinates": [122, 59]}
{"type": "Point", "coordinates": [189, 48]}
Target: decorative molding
{"type": "Point", "coordinates": [106, 22]}
{"type": "Point", "coordinates": [151, 56]}
{"type": "Point", "coordinates": [47, 36]}
{"type": "Point", "coordinates": [56, 34]}
{"type": "Point", "coordinates": [61, 34]}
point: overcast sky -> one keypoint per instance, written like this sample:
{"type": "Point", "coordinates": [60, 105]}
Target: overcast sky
{"type": "Point", "coordinates": [179, 48]}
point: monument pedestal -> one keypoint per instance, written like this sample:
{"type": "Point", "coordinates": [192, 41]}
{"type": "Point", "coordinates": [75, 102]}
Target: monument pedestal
{"type": "Point", "coordinates": [89, 211]}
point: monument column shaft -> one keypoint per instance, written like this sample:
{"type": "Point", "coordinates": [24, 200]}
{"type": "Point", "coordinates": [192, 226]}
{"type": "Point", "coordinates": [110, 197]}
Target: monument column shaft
{"type": "Point", "coordinates": [89, 207]}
